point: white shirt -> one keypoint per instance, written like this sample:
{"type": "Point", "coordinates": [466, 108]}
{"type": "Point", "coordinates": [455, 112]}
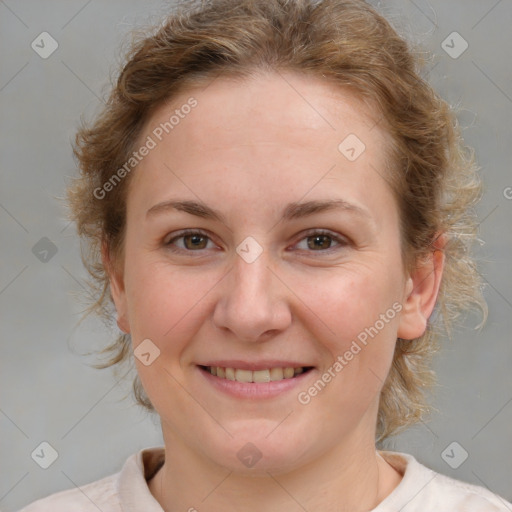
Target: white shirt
{"type": "Point", "coordinates": [420, 490]}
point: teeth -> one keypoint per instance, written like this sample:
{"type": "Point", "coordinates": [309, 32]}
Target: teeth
{"type": "Point", "coordinates": [260, 376]}
{"type": "Point", "coordinates": [276, 374]}
{"type": "Point", "coordinates": [272, 374]}
{"type": "Point", "coordinates": [243, 375]}
{"type": "Point", "coordinates": [288, 373]}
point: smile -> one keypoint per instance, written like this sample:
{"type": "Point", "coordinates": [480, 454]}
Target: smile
{"type": "Point", "coordinates": [261, 382]}
{"type": "Point", "coordinates": [264, 375]}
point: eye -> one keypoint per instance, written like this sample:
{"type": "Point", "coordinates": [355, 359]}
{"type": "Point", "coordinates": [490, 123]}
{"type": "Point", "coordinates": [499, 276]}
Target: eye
{"type": "Point", "coordinates": [321, 241]}
{"type": "Point", "coordinates": [188, 241]}
{"type": "Point", "coordinates": [314, 241]}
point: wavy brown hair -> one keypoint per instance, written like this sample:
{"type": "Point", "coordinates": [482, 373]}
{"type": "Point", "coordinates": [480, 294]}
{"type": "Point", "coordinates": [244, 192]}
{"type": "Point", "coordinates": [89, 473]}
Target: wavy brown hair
{"type": "Point", "coordinates": [431, 172]}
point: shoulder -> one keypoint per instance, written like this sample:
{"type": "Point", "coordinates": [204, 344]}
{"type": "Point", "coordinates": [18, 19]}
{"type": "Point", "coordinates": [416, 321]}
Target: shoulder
{"type": "Point", "coordinates": [468, 497]}
{"type": "Point", "coordinates": [424, 490]}
{"type": "Point", "coordinates": [123, 491]}
{"type": "Point", "coordinates": [101, 495]}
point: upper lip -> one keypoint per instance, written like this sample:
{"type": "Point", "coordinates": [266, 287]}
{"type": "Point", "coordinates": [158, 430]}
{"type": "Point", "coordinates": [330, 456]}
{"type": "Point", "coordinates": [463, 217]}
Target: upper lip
{"type": "Point", "coordinates": [254, 365]}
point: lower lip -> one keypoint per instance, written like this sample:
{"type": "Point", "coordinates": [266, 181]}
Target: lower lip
{"type": "Point", "coordinates": [254, 390]}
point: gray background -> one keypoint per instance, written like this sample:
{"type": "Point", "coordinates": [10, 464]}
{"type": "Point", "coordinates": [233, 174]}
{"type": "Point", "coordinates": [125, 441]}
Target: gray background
{"type": "Point", "coordinates": [48, 391]}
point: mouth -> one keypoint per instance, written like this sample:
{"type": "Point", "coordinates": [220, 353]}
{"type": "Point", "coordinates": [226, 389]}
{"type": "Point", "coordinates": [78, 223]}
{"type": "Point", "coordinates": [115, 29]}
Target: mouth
{"type": "Point", "coordinates": [273, 374]}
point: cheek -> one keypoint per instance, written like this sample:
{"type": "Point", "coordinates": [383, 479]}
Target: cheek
{"type": "Point", "coordinates": [165, 304]}
{"type": "Point", "coordinates": [348, 303]}
{"type": "Point", "coordinates": [356, 325]}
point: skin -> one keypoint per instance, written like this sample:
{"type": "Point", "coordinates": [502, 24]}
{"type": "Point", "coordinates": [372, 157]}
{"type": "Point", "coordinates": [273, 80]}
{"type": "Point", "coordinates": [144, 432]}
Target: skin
{"type": "Point", "coordinates": [247, 150]}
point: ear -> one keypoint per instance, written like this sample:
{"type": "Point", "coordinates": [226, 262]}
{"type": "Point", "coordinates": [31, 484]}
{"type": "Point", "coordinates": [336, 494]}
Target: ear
{"type": "Point", "coordinates": [117, 289]}
{"type": "Point", "coordinates": [422, 288]}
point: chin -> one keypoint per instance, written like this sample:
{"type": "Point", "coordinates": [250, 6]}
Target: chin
{"type": "Point", "coordinates": [258, 451]}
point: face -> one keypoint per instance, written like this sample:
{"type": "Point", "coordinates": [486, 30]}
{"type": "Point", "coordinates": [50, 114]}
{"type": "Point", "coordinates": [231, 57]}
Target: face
{"type": "Point", "coordinates": [262, 239]}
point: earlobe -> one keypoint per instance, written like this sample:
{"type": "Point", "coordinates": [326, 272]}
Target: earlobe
{"type": "Point", "coordinates": [117, 290]}
{"type": "Point", "coordinates": [422, 289]}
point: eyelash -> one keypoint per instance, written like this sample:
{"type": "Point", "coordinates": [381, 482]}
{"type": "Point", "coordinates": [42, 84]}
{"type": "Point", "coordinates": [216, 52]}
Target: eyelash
{"type": "Point", "coordinates": [341, 241]}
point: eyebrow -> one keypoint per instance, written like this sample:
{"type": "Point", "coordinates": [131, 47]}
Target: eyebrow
{"type": "Point", "coordinates": [295, 210]}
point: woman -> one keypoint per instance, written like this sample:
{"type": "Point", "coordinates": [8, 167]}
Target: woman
{"type": "Point", "coordinates": [275, 202]}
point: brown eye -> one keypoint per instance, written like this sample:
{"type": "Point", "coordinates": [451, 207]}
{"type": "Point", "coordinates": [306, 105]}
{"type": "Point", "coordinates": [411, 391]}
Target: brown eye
{"type": "Point", "coordinates": [188, 241]}
{"type": "Point", "coordinates": [319, 242]}
{"type": "Point", "coordinates": [195, 241]}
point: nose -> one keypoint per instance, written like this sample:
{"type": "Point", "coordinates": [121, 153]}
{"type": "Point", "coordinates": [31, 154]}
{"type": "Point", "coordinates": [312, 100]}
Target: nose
{"type": "Point", "coordinates": [252, 304]}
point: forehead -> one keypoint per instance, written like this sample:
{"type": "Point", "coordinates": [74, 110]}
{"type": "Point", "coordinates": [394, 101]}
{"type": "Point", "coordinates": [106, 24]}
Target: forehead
{"type": "Point", "coordinates": [282, 129]}
{"type": "Point", "coordinates": [278, 101]}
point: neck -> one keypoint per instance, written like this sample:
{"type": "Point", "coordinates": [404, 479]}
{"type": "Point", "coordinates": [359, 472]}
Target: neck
{"type": "Point", "coordinates": [352, 477]}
